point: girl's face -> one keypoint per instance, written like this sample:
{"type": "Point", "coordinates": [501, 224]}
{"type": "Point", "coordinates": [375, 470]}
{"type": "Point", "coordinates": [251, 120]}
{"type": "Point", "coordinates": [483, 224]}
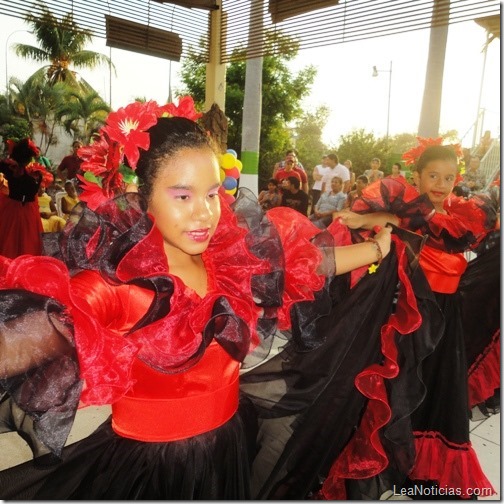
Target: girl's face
{"type": "Point", "coordinates": [185, 202]}
{"type": "Point", "coordinates": [436, 180]}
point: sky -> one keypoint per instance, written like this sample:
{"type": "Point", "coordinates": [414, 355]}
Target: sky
{"type": "Point", "coordinates": [344, 81]}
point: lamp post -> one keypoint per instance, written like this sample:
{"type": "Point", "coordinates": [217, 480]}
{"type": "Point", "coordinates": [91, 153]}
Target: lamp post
{"type": "Point", "coordinates": [376, 71]}
{"type": "Point", "coordinates": [6, 58]}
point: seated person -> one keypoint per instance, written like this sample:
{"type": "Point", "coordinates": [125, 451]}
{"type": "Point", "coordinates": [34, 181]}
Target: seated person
{"type": "Point", "coordinates": [473, 180]}
{"type": "Point", "coordinates": [328, 203]}
{"type": "Point", "coordinates": [361, 182]}
{"type": "Point", "coordinates": [396, 173]}
{"type": "Point", "coordinates": [69, 200]}
{"type": "Point", "coordinates": [292, 196]}
{"type": "Point", "coordinates": [51, 222]}
{"type": "Point", "coordinates": [291, 170]}
{"type": "Point", "coordinates": [374, 173]}
{"type": "Point", "coordinates": [271, 197]}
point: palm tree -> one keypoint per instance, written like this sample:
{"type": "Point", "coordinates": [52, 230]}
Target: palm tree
{"type": "Point", "coordinates": [35, 100]}
{"type": "Point", "coordinates": [62, 44]}
{"type": "Point", "coordinates": [83, 114]}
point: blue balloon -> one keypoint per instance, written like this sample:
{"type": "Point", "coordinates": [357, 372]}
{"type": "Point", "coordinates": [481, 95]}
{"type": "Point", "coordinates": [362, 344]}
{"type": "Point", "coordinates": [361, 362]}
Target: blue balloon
{"type": "Point", "coordinates": [232, 151]}
{"type": "Point", "coordinates": [229, 183]}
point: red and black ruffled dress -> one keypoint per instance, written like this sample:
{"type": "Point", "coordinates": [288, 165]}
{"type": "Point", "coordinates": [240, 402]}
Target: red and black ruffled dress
{"type": "Point", "coordinates": [426, 437]}
{"type": "Point", "coordinates": [20, 224]}
{"type": "Point", "coordinates": [106, 323]}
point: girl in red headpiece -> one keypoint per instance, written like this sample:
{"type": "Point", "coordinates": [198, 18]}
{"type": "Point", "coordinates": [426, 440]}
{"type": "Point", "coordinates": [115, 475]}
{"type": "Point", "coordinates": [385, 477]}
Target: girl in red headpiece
{"type": "Point", "coordinates": [425, 440]}
{"type": "Point", "coordinates": [158, 300]}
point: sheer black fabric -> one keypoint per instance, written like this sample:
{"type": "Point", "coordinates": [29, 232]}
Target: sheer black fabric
{"type": "Point", "coordinates": [214, 465]}
{"type": "Point", "coordinates": [42, 380]}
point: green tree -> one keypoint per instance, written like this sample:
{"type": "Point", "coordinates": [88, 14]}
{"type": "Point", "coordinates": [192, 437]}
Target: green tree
{"type": "Point", "coordinates": [309, 144]}
{"type": "Point", "coordinates": [62, 45]}
{"type": "Point", "coordinates": [82, 114]}
{"type": "Point", "coordinates": [361, 146]}
{"type": "Point", "coordinates": [282, 94]}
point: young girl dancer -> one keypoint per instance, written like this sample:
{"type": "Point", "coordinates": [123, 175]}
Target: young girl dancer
{"type": "Point", "coordinates": [160, 297]}
{"type": "Point", "coordinates": [429, 440]}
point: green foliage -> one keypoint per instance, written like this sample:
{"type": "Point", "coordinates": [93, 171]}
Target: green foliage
{"type": "Point", "coordinates": [282, 94]}
{"type": "Point", "coordinates": [309, 144]}
{"type": "Point", "coordinates": [360, 147]}
{"type": "Point", "coordinates": [16, 129]}
{"type": "Point", "coordinates": [82, 114]}
{"type": "Point", "coordinates": [61, 44]}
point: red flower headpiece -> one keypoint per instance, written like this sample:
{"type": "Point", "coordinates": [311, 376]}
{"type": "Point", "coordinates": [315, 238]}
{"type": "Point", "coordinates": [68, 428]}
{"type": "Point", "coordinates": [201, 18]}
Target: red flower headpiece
{"type": "Point", "coordinates": [411, 157]}
{"type": "Point", "coordinates": [122, 137]}
{"type": "Point", "coordinates": [30, 146]}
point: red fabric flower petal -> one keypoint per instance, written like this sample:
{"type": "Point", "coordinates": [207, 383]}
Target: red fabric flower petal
{"type": "Point", "coordinates": [185, 109]}
{"type": "Point", "coordinates": [127, 126]}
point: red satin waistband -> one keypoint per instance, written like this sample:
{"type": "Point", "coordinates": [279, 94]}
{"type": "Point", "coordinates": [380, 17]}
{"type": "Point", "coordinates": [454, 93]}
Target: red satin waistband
{"type": "Point", "coordinates": [163, 420]}
{"type": "Point", "coordinates": [439, 282]}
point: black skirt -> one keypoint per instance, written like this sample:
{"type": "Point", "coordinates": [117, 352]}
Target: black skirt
{"type": "Point", "coordinates": [213, 465]}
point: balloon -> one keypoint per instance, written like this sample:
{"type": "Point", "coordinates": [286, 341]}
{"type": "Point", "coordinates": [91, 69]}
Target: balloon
{"type": "Point", "coordinates": [228, 198]}
{"type": "Point", "coordinates": [231, 191]}
{"type": "Point", "coordinates": [222, 174]}
{"type": "Point", "coordinates": [229, 183]}
{"type": "Point", "coordinates": [232, 151]}
{"type": "Point", "coordinates": [239, 165]}
{"type": "Point", "coordinates": [227, 161]}
{"type": "Point", "coordinates": [233, 173]}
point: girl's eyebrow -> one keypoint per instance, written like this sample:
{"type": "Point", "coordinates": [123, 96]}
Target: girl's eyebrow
{"type": "Point", "coordinates": [190, 188]}
{"type": "Point", "coordinates": [180, 186]}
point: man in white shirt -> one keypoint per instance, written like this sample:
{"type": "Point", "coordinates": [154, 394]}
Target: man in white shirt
{"type": "Point", "coordinates": [335, 170]}
{"type": "Point", "coordinates": [318, 174]}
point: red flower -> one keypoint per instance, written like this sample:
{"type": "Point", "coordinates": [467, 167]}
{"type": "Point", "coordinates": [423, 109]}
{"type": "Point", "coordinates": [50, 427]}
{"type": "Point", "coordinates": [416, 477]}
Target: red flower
{"type": "Point", "coordinates": [101, 156]}
{"type": "Point", "coordinates": [128, 127]}
{"type": "Point", "coordinates": [411, 156]}
{"type": "Point", "coordinates": [92, 193]}
{"type": "Point", "coordinates": [185, 109]}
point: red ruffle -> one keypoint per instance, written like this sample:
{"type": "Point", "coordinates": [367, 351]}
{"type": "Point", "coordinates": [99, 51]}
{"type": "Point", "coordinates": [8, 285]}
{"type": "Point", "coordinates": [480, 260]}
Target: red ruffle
{"type": "Point", "coordinates": [174, 342]}
{"type": "Point", "coordinates": [462, 216]}
{"type": "Point", "coordinates": [450, 465]}
{"type": "Point", "coordinates": [302, 259]}
{"type": "Point", "coordinates": [484, 374]}
{"type": "Point", "coordinates": [364, 456]}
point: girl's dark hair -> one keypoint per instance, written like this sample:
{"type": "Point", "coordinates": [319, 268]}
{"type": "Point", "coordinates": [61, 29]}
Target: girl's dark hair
{"type": "Point", "coordinates": [273, 181]}
{"type": "Point", "coordinates": [23, 152]}
{"type": "Point", "coordinates": [436, 153]}
{"type": "Point", "coordinates": [167, 137]}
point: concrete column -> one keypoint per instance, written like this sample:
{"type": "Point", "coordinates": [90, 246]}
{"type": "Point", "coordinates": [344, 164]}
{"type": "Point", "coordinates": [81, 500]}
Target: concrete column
{"type": "Point", "coordinates": [215, 89]}
{"type": "Point", "coordinates": [252, 103]}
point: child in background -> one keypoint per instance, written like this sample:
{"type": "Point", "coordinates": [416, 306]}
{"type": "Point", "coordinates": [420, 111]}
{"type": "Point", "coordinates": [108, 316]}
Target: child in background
{"type": "Point", "coordinates": [438, 443]}
{"type": "Point", "coordinates": [271, 197]}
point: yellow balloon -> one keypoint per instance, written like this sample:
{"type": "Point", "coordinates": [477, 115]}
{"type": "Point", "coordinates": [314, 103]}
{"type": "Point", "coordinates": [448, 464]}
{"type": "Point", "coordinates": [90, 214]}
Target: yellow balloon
{"type": "Point", "coordinates": [227, 161]}
{"type": "Point", "coordinates": [231, 191]}
{"type": "Point", "coordinates": [239, 165]}
{"type": "Point", "coordinates": [222, 174]}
